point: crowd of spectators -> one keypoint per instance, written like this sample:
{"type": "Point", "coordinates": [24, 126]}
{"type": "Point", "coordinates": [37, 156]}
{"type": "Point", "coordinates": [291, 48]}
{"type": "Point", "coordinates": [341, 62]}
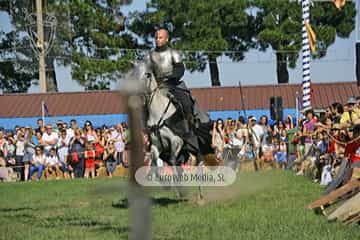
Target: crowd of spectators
{"type": "Point", "coordinates": [69, 150]}
{"type": "Point", "coordinates": [314, 145]}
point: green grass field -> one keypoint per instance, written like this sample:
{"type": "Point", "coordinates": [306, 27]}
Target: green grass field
{"type": "Point", "coordinates": [263, 205]}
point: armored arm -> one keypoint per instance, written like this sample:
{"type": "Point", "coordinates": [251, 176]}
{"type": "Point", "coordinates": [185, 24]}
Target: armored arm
{"type": "Point", "coordinates": [179, 68]}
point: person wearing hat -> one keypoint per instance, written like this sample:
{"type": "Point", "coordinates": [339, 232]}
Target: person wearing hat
{"type": "Point", "coordinates": [356, 107]}
{"type": "Point", "coordinates": [349, 116]}
{"type": "Point", "coordinates": [60, 126]}
{"type": "Point", "coordinates": [334, 147]}
{"type": "Point", "coordinates": [256, 133]}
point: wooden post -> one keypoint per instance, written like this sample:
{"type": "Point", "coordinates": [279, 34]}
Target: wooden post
{"type": "Point", "coordinates": [138, 198]}
{"type": "Point", "coordinates": [40, 45]}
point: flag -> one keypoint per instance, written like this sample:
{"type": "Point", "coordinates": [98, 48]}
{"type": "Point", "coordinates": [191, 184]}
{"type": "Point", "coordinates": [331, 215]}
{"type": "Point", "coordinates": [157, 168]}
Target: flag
{"type": "Point", "coordinates": [311, 36]}
{"type": "Point", "coordinates": [339, 3]}
{"type": "Point", "coordinates": [45, 109]}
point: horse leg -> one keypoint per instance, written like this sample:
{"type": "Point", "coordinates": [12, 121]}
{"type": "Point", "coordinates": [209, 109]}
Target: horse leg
{"type": "Point", "coordinates": [176, 144]}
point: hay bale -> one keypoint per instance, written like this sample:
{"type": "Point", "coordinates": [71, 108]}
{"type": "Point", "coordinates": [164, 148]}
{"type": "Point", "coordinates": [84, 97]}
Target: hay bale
{"type": "Point", "coordinates": [268, 166]}
{"type": "Point", "coordinates": [210, 160]}
{"type": "Point", "coordinates": [53, 174]}
{"type": "Point", "coordinates": [34, 176]}
{"type": "Point", "coordinates": [247, 165]}
{"type": "Point", "coordinates": [101, 172]}
{"type": "Point", "coordinates": [120, 171]}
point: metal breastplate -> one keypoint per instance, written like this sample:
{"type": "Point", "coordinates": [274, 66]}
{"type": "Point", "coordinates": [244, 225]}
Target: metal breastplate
{"type": "Point", "coordinates": [162, 64]}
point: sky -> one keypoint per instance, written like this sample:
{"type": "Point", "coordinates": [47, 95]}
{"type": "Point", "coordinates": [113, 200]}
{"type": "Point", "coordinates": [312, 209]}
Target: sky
{"type": "Point", "coordinates": [258, 68]}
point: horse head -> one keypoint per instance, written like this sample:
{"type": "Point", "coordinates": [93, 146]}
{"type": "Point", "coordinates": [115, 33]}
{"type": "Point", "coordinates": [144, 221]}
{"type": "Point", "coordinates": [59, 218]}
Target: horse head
{"type": "Point", "coordinates": [140, 80]}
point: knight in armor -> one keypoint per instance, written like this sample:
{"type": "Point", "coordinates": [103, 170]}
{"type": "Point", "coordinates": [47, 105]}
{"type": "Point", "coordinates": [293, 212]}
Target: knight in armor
{"type": "Point", "coordinates": [168, 70]}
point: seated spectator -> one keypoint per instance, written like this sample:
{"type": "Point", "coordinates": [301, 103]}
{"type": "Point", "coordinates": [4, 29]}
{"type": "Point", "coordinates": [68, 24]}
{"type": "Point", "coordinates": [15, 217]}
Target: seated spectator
{"type": "Point", "coordinates": [280, 154]}
{"type": "Point", "coordinates": [37, 163]}
{"type": "Point", "coordinates": [5, 172]}
{"type": "Point", "coordinates": [89, 160]}
{"type": "Point", "coordinates": [326, 177]}
{"type": "Point", "coordinates": [10, 152]}
{"type": "Point", "coordinates": [110, 157]}
{"type": "Point", "coordinates": [267, 150]}
{"type": "Point", "coordinates": [283, 135]}
{"type": "Point", "coordinates": [52, 163]}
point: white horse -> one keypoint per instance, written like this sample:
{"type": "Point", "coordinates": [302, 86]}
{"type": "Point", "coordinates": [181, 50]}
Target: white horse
{"type": "Point", "coordinates": [159, 108]}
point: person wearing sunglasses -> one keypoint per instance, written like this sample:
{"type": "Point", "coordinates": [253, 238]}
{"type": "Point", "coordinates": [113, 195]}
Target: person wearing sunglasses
{"type": "Point", "coordinates": [49, 138]}
{"type": "Point", "coordinates": [37, 163]}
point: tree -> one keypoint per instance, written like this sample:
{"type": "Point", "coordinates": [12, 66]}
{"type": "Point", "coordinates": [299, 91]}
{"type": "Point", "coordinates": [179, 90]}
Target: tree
{"type": "Point", "coordinates": [280, 24]}
{"type": "Point", "coordinates": [15, 76]}
{"type": "Point", "coordinates": [204, 29]}
{"type": "Point", "coordinates": [90, 36]}
{"type": "Point", "coordinates": [16, 67]}
{"type": "Point", "coordinates": [97, 39]}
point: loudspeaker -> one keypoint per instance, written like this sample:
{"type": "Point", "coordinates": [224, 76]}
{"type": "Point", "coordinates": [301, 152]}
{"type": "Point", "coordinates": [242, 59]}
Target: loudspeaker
{"type": "Point", "coordinates": [276, 109]}
{"type": "Point", "coordinates": [357, 70]}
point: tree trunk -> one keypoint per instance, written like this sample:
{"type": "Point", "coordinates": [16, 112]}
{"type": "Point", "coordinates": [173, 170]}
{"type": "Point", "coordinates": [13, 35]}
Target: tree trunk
{"type": "Point", "coordinates": [281, 68]}
{"type": "Point", "coordinates": [214, 71]}
{"type": "Point", "coordinates": [51, 83]}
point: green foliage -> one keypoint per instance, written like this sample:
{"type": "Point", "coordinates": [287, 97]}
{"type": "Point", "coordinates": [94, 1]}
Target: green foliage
{"type": "Point", "coordinates": [260, 205]}
{"type": "Point", "coordinates": [280, 25]}
{"type": "Point", "coordinates": [89, 36]}
{"type": "Point", "coordinates": [17, 70]}
{"type": "Point", "coordinates": [198, 25]}
{"type": "Point", "coordinates": [93, 41]}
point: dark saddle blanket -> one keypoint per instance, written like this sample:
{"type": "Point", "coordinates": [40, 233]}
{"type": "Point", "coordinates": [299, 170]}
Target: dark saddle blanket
{"type": "Point", "coordinates": [191, 124]}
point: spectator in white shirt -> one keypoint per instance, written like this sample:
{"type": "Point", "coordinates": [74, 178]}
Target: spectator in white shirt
{"type": "Point", "coordinates": [117, 138]}
{"type": "Point", "coordinates": [49, 138]}
{"type": "Point", "coordinates": [89, 133]}
{"type": "Point", "coordinates": [52, 163]}
{"type": "Point", "coordinates": [256, 133]}
{"type": "Point", "coordinates": [63, 152]}
{"type": "Point", "coordinates": [73, 126]}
